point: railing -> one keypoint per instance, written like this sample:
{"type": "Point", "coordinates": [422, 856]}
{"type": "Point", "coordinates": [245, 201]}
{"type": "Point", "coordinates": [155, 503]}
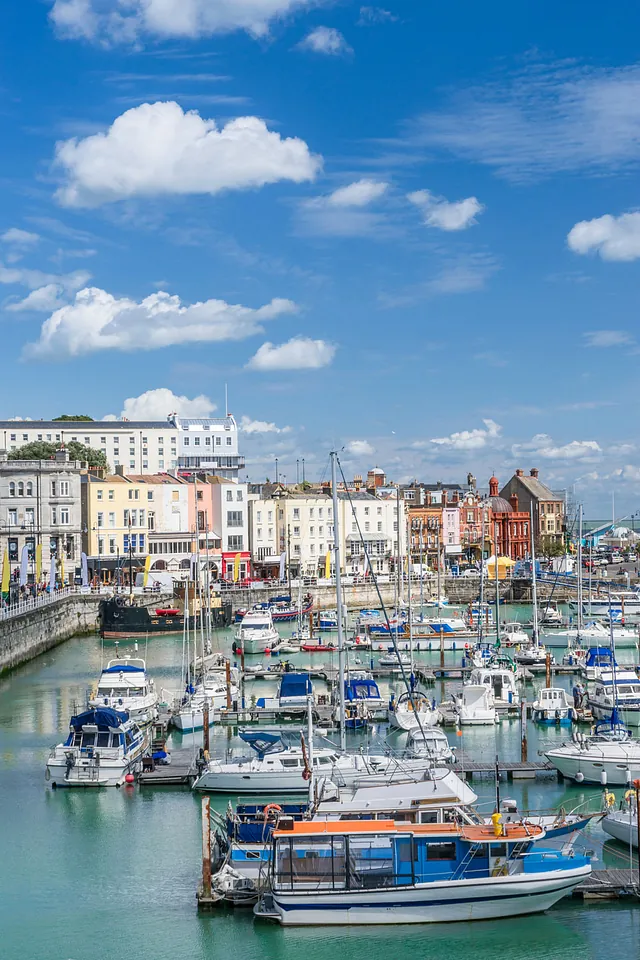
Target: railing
{"type": "Point", "coordinates": [35, 603]}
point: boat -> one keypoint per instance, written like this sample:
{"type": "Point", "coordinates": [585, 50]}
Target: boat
{"type": "Point", "coordinates": [413, 710]}
{"type": "Point", "coordinates": [328, 620]}
{"type": "Point", "coordinates": [103, 748]}
{"type": "Point", "coordinates": [608, 757]}
{"type": "Point", "coordinates": [277, 768]}
{"type": "Point", "coordinates": [597, 660]}
{"type": "Point", "coordinates": [212, 692]}
{"type": "Point", "coordinates": [620, 689]}
{"type": "Point", "coordinates": [499, 676]}
{"type": "Point", "coordinates": [394, 626]}
{"type": "Point", "coordinates": [379, 872]}
{"type": "Point", "coordinates": [533, 655]}
{"type": "Point", "coordinates": [394, 660]}
{"type": "Point", "coordinates": [553, 707]}
{"type": "Point", "coordinates": [320, 646]}
{"type": "Point", "coordinates": [295, 690]}
{"type": "Point", "coordinates": [594, 633]}
{"type": "Point", "coordinates": [362, 688]}
{"type": "Point", "coordinates": [513, 635]}
{"type": "Point", "coordinates": [474, 705]}
{"type": "Point", "coordinates": [622, 602]}
{"type": "Point", "coordinates": [281, 608]}
{"type": "Point", "coordinates": [256, 632]}
{"type": "Point", "coordinates": [551, 616]}
{"type": "Point", "coordinates": [119, 619]}
{"type": "Point", "coordinates": [622, 824]}
{"type": "Point", "coordinates": [125, 687]}
{"type": "Point", "coordinates": [430, 743]}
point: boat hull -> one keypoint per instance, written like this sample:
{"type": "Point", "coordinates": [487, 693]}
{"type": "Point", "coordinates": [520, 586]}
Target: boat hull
{"type": "Point", "coordinates": [586, 769]}
{"type": "Point", "coordinates": [86, 774]}
{"type": "Point", "coordinates": [621, 828]}
{"type": "Point", "coordinates": [452, 902]}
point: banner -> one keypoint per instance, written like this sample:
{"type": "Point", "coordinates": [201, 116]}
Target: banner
{"type": "Point", "coordinates": [147, 567]}
{"type": "Point", "coordinates": [52, 575]}
{"type": "Point", "coordinates": [5, 574]}
{"type": "Point", "coordinates": [39, 563]}
{"type": "Point", "coordinates": [62, 580]}
{"type": "Point", "coordinates": [85, 570]}
{"type": "Point", "coordinates": [283, 558]}
{"type": "Point", "coordinates": [236, 568]}
{"type": "Point", "coordinates": [327, 565]}
{"type": "Point", "coordinates": [24, 566]}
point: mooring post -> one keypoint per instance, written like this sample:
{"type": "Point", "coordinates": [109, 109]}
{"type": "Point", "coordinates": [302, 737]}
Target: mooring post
{"type": "Point", "coordinates": [206, 847]}
{"type": "Point", "coordinates": [205, 727]}
{"type": "Point", "coordinates": [548, 669]}
{"type": "Point", "coordinates": [636, 784]}
{"type": "Point", "coordinates": [523, 731]}
{"type": "Point", "coordinates": [227, 670]}
{"type": "Point", "coordinates": [441, 648]}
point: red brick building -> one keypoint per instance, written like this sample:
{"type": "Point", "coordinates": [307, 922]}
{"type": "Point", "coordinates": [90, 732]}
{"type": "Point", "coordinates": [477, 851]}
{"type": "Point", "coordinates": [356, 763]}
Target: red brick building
{"type": "Point", "coordinates": [511, 526]}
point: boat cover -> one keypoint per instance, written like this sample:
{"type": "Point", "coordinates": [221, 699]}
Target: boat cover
{"type": "Point", "coordinates": [261, 741]}
{"type": "Point", "coordinates": [124, 668]}
{"type": "Point", "coordinates": [362, 690]}
{"type": "Point", "coordinates": [295, 685]}
{"type": "Point", "coordinates": [104, 718]}
{"type": "Point", "coordinates": [599, 656]}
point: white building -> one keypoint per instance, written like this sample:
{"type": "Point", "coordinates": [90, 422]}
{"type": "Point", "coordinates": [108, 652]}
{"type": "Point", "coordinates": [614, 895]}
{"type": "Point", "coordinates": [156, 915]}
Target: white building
{"type": "Point", "coordinates": [141, 447]}
{"type": "Point", "coordinates": [300, 525]}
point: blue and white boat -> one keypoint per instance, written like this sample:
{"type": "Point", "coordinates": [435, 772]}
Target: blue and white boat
{"type": "Point", "coordinates": [553, 707]}
{"type": "Point", "coordinates": [597, 660]}
{"type": "Point", "coordinates": [328, 620]}
{"type": "Point", "coordinates": [616, 688]}
{"type": "Point", "coordinates": [382, 872]}
{"type": "Point", "coordinates": [102, 749]}
{"type": "Point", "coordinates": [295, 690]}
{"type": "Point", "coordinates": [124, 686]}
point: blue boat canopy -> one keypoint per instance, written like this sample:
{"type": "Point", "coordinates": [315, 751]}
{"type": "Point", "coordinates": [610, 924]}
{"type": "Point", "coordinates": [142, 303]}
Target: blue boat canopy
{"type": "Point", "coordinates": [296, 685]}
{"type": "Point", "coordinates": [262, 742]}
{"type": "Point", "coordinates": [361, 690]}
{"type": "Point", "coordinates": [125, 668]}
{"type": "Point", "coordinates": [598, 656]}
{"type": "Point", "coordinates": [103, 718]}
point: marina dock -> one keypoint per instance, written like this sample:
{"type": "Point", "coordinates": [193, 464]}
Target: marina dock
{"type": "Point", "coordinates": [608, 885]}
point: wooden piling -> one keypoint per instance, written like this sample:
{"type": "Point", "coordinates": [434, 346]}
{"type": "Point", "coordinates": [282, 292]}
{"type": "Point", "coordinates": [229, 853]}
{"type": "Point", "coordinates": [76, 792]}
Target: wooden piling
{"type": "Point", "coordinates": [227, 670]}
{"type": "Point", "coordinates": [548, 669]}
{"type": "Point", "coordinates": [523, 731]}
{"type": "Point", "coordinates": [206, 847]}
{"type": "Point", "coordinates": [205, 726]}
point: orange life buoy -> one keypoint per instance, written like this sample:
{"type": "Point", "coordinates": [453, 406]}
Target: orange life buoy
{"type": "Point", "coordinates": [271, 808]}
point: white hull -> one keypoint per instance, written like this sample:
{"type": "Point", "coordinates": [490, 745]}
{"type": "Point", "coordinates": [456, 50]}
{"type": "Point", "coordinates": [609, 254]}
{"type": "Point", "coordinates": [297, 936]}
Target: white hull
{"type": "Point", "coordinates": [86, 773]}
{"type": "Point", "coordinates": [621, 826]}
{"type": "Point", "coordinates": [477, 720]}
{"type": "Point", "coordinates": [141, 709]}
{"type": "Point", "coordinates": [455, 901]}
{"type": "Point", "coordinates": [588, 767]}
{"type": "Point", "coordinates": [563, 638]}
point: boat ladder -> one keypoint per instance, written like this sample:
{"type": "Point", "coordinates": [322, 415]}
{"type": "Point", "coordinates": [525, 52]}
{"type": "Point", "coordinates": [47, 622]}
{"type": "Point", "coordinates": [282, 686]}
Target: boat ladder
{"type": "Point", "coordinates": [464, 863]}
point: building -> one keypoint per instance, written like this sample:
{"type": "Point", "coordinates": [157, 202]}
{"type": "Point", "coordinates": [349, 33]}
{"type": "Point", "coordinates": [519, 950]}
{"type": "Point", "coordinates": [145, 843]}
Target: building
{"type": "Point", "coordinates": [40, 504]}
{"type": "Point", "coordinates": [509, 527]}
{"type": "Point", "coordinates": [219, 510]}
{"type": "Point", "coordinates": [141, 447]}
{"type": "Point", "coordinates": [548, 507]}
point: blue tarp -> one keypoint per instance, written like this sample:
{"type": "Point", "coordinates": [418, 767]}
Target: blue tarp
{"type": "Point", "coordinates": [261, 742]}
{"type": "Point", "coordinates": [102, 718]}
{"type": "Point", "coordinates": [124, 668]}
{"type": "Point", "coordinates": [295, 685]}
{"type": "Point", "coordinates": [362, 690]}
{"type": "Point", "coordinates": [599, 656]}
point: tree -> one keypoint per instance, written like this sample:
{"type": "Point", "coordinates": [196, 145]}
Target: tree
{"type": "Point", "coordinates": [41, 450]}
{"type": "Point", "coordinates": [549, 546]}
{"type": "Point", "coordinates": [76, 417]}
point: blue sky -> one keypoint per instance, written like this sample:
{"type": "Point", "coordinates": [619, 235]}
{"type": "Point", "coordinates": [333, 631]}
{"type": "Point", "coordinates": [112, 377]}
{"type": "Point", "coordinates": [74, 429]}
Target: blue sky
{"type": "Point", "coordinates": [410, 230]}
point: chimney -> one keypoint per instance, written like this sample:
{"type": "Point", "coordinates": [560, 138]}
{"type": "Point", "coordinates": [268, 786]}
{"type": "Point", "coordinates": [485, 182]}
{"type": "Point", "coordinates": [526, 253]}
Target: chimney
{"type": "Point", "coordinates": [519, 473]}
{"type": "Point", "coordinates": [513, 500]}
{"type": "Point", "coordinates": [534, 472]}
{"type": "Point", "coordinates": [493, 487]}
{"type": "Point", "coordinates": [120, 470]}
{"type": "Point", "coordinates": [326, 488]}
{"type": "Point", "coordinates": [61, 455]}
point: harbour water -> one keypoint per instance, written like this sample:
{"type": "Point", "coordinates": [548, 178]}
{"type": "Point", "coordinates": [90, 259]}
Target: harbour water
{"type": "Point", "coordinates": [112, 874]}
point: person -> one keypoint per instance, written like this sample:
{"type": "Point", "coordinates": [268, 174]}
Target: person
{"type": "Point", "coordinates": [577, 695]}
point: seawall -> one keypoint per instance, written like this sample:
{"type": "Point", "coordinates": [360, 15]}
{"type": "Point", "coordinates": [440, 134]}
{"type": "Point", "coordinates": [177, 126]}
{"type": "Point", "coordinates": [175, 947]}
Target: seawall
{"type": "Point", "coordinates": [26, 636]}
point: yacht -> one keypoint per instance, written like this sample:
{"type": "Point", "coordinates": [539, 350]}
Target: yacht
{"type": "Point", "coordinates": [616, 688]}
{"type": "Point", "coordinates": [610, 756]}
{"type": "Point", "coordinates": [328, 620]}
{"type": "Point", "coordinates": [213, 692]}
{"type": "Point", "coordinates": [256, 632]}
{"type": "Point", "coordinates": [125, 687]}
{"type": "Point", "coordinates": [394, 660]}
{"type": "Point", "coordinates": [622, 824]}
{"type": "Point", "coordinates": [512, 635]}
{"type": "Point", "coordinates": [103, 747]}
{"type": "Point", "coordinates": [277, 768]}
{"type": "Point", "coordinates": [550, 616]}
{"type": "Point", "coordinates": [380, 872]}
{"type": "Point", "coordinates": [597, 660]}
{"type": "Point", "coordinates": [430, 743]}
{"type": "Point", "coordinates": [411, 712]}
{"type": "Point", "coordinates": [592, 633]}
{"type": "Point", "coordinates": [295, 690]}
{"type": "Point", "coordinates": [500, 679]}
{"type": "Point", "coordinates": [622, 601]}
{"type": "Point", "coordinates": [532, 655]}
{"type": "Point", "coordinates": [474, 705]}
{"type": "Point", "coordinates": [361, 688]}
{"type": "Point", "coordinates": [553, 707]}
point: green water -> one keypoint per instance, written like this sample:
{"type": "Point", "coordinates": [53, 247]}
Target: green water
{"type": "Point", "coordinates": [112, 874]}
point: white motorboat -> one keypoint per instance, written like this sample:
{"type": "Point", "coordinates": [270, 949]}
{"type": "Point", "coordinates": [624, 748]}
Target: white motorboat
{"type": "Point", "coordinates": [513, 635]}
{"type": "Point", "coordinates": [500, 680]}
{"type": "Point", "coordinates": [430, 743]}
{"type": "Point", "coordinates": [256, 632]}
{"type": "Point", "coordinates": [550, 616]}
{"type": "Point", "coordinates": [593, 633]}
{"type": "Point", "coordinates": [394, 660]}
{"type": "Point", "coordinates": [622, 824]}
{"type": "Point", "coordinates": [622, 601]}
{"type": "Point", "coordinates": [596, 661]}
{"type": "Point", "coordinates": [102, 749]}
{"type": "Point", "coordinates": [532, 655]}
{"type": "Point", "coordinates": [610, 757]}
{"type": "Point", "coordinates": [187, 713]}
{"type": "Point", "coordinates": [553, 707]}
{"type": "Point", "coordinates": [341, 872]}
{"type": "Point", "coordinates": [124, 686]}
{"type": "Point", "coordinates": [412, 712]}
{"type": "Point", "coordinates": [276, 768]}
{"type": "Point", "coordinates": [295, 690]}
{"type": "Point", "coordinates": [617, 688]}
{"type": "Point", "coordinates": [474, 705]}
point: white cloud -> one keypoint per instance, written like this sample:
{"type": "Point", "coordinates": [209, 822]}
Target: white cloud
{"type": "Point", "coordinates": [360, 448]}
{"type": "Point", "coordinates": [608, 338]}
{"type": "Point", "coordinates": [159, 403]}
{"type": "Point", "coordinates": [157, 149]}
{"type": "Point", "coordinates": [326, 40]}
{"type": "Point", "coordinates": [471, 439]}
{"type": "Point", "coordinates": [98, 321]}
{"type": "Point", "coordinates": [371, 15]}
{"type": "Point", "coordinates": [19, 238]}
{"type": "Point", "coordinates": [543, 446]}
{"type": "Point", "coordinates": [300, 353]}
{"type": "Point", "coordinates": [32, 279]}
{"type": "Point", "coordinates": [444, 215]}
{"type": "Point", "coordinates": [614, 238]}
{"type": "Point", "coordinates": [130, 20]}
{"type": "Point", "coordinates": [247, 425]}
{"type": "Point", "coordinates": [358, 194]}
{"type": "Point", "coordinates": [539, 119]}
{"type": "Point", "coordinates": [342, 212]}
{"type": "Point", "coordinates": [42, 300]}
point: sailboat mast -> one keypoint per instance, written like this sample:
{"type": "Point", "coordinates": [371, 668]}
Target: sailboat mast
{"type": "Point", "coordinates": [534, 582]}
{"type": "Point", "coordinates": [495, 535]}
{"type": "Point", "coordinates": [481, 611]}
{"type": "Point", "coordinates": [579, 572]}
{"type": "Point", "coordinates": [399, 572]}
{"type": "Point", "coordinates": [336, 554]}
{"type": "Point", "coordinates": [421, 573]}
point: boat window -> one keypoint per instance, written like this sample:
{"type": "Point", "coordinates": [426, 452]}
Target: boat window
{"type": "Point", "coordinates": [253, 855]}
{"type": "Point", "coordinates": [88, 739]}
{"type": "Point", "coordinates": [371, 862]}
{"type": "Point", "coordinates": [624, 689]}
{"type": "Point", "coordinates": [498, 850]}
{"type": "Point", "coordinates": [313, 862]}
{"type": "Point", "coordinates": [103, 740]}
{"type": "Point", "coordinates": [286, 762]}
{"type": "Point", "coordinates": [429, 816]}
{"type": "Point", "coordinates": [441, 851]}
{"type": "Point", "coordinates": [325, 759]}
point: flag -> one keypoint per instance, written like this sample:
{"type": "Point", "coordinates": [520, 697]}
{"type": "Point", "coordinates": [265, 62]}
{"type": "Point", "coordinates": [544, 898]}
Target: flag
{"type": "Point", "coordinates": [283, 558]}
{"type": "Point", "coordinates": [39, 563]}
{"type": "Point", "coordinates": [236, 568]}
{"type": "Point", "coordinates": [62, 568]}
{"type": "Point", "coordinates": [327, 565]}
{"type": "Point", "coordinates": [24, 565]}
{"type": "Point", "coordinates": [85, 570]}
{"type": "Point", "coordinates": [5, 573]}
{"type": "Point", "coordinates": [147, 567]}
{"type": "Point", "coordinates": [52, 575]}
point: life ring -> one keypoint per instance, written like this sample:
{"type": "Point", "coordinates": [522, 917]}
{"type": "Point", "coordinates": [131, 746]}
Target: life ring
{"type": "Point", "coordinates": [271, 808]}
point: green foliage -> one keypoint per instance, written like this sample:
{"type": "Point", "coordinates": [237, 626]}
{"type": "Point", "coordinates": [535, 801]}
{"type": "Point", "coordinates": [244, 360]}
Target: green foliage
{"type": "Point", "coordinates": [79, 416]}
{"type": "Point", "coordinates": [549, 546]}
{"type": "Point", "coordinates": [41, 450]}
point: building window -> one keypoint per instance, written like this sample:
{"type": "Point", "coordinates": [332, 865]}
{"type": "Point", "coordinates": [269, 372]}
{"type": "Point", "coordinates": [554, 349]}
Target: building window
{"type": "Point", "coordinates": [270, 533]}
{"type": "Point", "coordinates": [229, 441]}
{"type": "Point", "coordinates": [161, 464]}
{"type": "Point", "coordinates": [321, 531]}
{"type": "Point", "coordinates": [141, 542]}
{"type": "Point", "coordinates": [112, 545]}
{"type": "Point", "coordinates": [13, 517]}
{"type": "Point", "coordinates": [218, 441]}
{"type": "Point", "coordinates": [235, 543]}
{"type": "Point", "coordinates": [110, 494]}
{"type": "Point", "coordinates": [296, 531]}
{"type": "Point", "coordinates": [311, 531]}
{"type": "Point", "coordinates": [239, 495]}
{"type": "Point", "coordinates": [207, 441]}
{"type": "Point", "coordinates": [12, 489]}
{"type": "Point", "coordinates": [229, 496]}
{"type": "Point", "coordinates": [99, 519]}
{"type": "Point", "coordinates": [320, 512]}
{"type": "Point", "coordinates": [29, 516]}
{"type": "Point", "coordinates": [186, 441]}
{"type": "Point", "coordinates": [100, 546]}
{"type": "Point", "coordinates": [149, 494]}
{"type": "Point", "coordinates": [98, 494]}
{"type": "Point", "coordinates": [234, 518]}
{"type": "Point", "coordinates": [29, 488]}
{"type": "Point", "coordinates": [112, 519]}
{"type": "Point", "coordinates": [54, 517]}
{"type": "Point", "coordinates": [296, 514]}
{"type": "Point", "coordinates": [145, 464]}
{"type": "Point", "coordinates": [151, 520]}
{"type": "Point", "coordinates": [380, 527]}
{"type": "Point", "coordinates": [175, 495]}
{"type": "Point", "coordinates": [196, 441]}
{"type": "Point", "coordinates": [14, 436]}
